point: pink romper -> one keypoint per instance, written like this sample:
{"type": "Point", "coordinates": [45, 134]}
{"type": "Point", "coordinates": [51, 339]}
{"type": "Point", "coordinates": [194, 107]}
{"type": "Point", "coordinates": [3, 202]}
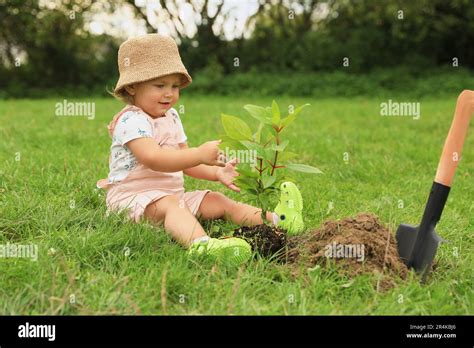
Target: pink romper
{"type": "Point", "coordinates": [143, 185]}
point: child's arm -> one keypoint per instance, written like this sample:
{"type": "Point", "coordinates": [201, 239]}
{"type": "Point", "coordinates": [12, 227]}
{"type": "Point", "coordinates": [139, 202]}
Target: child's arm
{"type": "Point", "coordinates": [150, 154]}
{"type": "Point", "coordinates": [200, 171]}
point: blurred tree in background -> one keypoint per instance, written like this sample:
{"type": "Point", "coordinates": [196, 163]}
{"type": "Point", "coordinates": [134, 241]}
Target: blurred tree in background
{"type": "Point", "coordinates": [411, 33]}
{"type": "Point", "coordinates": [45, 46]}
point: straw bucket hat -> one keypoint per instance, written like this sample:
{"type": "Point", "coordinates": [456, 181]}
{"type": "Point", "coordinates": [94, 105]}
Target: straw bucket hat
{"type": "Point", "coordinates": [148, 57]}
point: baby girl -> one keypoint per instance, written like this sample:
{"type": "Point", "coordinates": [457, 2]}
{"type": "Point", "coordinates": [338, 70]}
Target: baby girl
{"type": "Point", "coordinates": [149, 155]}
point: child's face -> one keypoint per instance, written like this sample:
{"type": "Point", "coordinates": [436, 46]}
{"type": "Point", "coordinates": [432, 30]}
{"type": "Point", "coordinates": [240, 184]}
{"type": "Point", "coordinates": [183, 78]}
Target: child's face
{"type": "Point", "coordinates": [157, 96]}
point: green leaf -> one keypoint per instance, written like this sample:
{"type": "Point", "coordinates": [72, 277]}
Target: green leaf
{"type": "Point", "coordinates": [244, 184]}
{"type": "Point", "coordinates": [303, 168]}
{"type": "Point", "coordinates": [268, 181]}
{"type": "Point", "coordinates": [287, 120]}
{"type": "Point", "coordinates": [258, 134]}
{"type": "Point", "coordinates": [230, 144]}
{"type": "Point", "coordinates": [236, 128]}
{"type": "Point", "coordinates": [268, 154]}
{"type": "Point", "coordinates": [286, 155]}
{"type": "Point", "coordinates": [246, 170]}
{"type": "Point", "coordinates": [298, 109]}
{"type": "Point", "coordinates": [251, 192]}
{"type": "Point", "coordinates": [280, 147]}
{"type": "Point", "coordinates": [268, 110]}
{"type": "Point", "coordinates": [258, 112]}
{"type": "Point", "coordinates": [247, 174]}
{"type": "Point", "coordinates": [246, 181]}
{"type": "Point", "coordinates": [264, 202]}
{"type": "Point", "coordinates": [275, 114]}
{"type": "Point", "coordinates": [249, 145]}
{"type": "Point", "coordinates": [268, 132]}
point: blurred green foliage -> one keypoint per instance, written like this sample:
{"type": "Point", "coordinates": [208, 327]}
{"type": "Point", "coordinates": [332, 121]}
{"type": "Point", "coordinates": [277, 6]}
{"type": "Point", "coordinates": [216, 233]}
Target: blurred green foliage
{"type": "Point", "coordinates": [390, 46]}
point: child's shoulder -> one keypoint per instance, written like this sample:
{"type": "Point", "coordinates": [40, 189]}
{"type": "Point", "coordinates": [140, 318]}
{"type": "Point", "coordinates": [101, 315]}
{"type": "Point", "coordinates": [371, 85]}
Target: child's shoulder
{"type": "Point", "coordinates": [132, 110]}
{"type": "Point", "coordinates": [132, 113]}
{"type": "Point", "coordinates": [174, 113]}
{"type": "Point", "coordinates": [131, 117]}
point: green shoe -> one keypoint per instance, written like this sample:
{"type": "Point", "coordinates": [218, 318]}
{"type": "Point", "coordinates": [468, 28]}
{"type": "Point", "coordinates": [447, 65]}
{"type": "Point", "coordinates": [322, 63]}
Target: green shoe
{"type": "Point", "coordinates": [233, 251]}
{"type": "Point", "coordinates": [290, 208]}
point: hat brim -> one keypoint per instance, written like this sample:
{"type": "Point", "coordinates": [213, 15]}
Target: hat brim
{"type": "Point", "coordinates": [144, 76]}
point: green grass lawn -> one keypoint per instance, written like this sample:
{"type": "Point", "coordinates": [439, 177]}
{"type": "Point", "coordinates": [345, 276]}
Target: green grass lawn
{"type": "Point", "coordinates": [89, 263]}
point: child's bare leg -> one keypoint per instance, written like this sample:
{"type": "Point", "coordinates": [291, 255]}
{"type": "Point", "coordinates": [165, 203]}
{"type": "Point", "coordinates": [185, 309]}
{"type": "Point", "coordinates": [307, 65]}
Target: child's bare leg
{"type": "Point", "coordinates": [215, 205]}
{"type": "Point", "coordinates": [178, 220]}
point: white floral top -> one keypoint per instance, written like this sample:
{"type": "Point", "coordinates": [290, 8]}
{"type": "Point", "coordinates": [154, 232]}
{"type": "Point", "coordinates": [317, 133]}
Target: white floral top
{"type": "Point", "coordinates": [133, 125]}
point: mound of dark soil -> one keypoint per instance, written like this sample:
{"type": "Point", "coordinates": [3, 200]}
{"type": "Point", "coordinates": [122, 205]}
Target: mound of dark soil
{"type": "Point", "coordinates": [266, 240]}
{"type": "Point", "coordinates": [360, 244]}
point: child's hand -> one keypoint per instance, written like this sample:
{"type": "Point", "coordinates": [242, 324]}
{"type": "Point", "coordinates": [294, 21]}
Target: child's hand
{"type": "Point", "coordinates": [227, 174]}
{"type": "Point", "coordinates": [210, 153]}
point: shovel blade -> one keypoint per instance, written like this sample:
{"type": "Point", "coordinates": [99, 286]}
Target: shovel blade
{"type": "Point", "coordinates": [423, 258]}
{"type": "Point", "coordinates": [406, 238]}
{"type": "Point", "coordinates": [417, 255]}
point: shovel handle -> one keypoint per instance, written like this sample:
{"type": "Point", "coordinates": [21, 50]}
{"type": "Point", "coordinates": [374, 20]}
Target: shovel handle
{"type": "Point", "coordinates": [453, 145]}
